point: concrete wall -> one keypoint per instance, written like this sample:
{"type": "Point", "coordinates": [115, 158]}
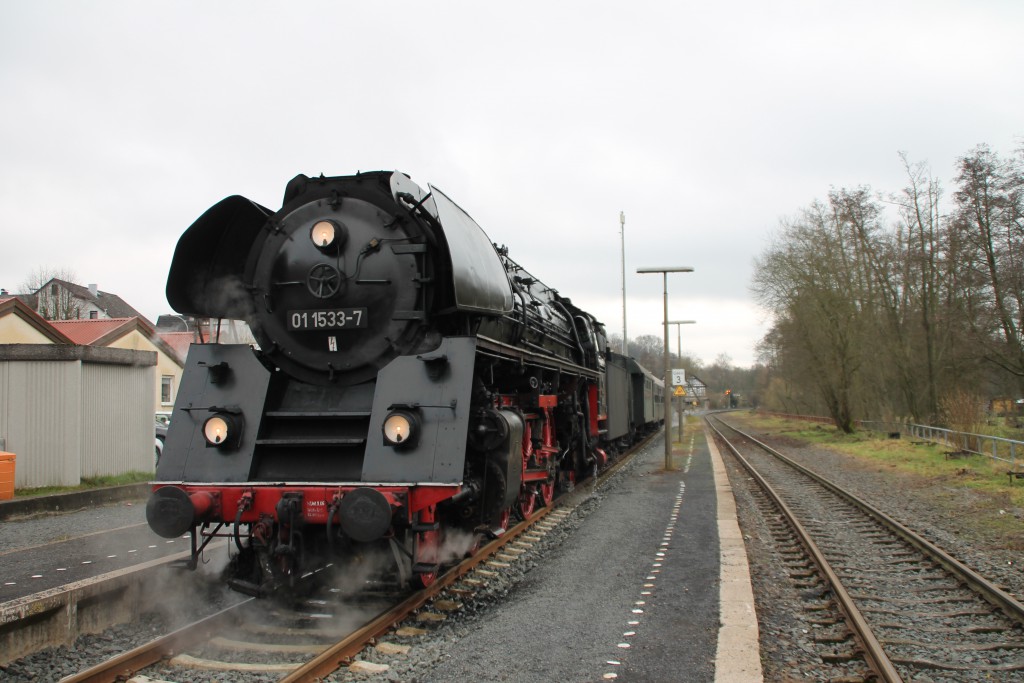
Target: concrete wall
{"type": "Point", "coordinates": [69, 412]}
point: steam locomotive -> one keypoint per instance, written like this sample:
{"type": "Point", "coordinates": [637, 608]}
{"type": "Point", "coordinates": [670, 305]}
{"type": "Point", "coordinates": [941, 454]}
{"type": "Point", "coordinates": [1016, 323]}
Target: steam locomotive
{"type": "Point", "coordinates": [410, 384]}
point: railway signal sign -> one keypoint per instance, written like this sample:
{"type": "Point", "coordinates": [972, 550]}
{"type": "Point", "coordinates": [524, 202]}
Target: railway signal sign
{"type": "Point", "coordinates": [680, 391]}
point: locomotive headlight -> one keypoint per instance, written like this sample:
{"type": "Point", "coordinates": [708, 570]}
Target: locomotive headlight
{"type": "Point", "coordinates": [223, 430]}
{"type": "Point", "coordinates": [323, 234]}
{"type": "Point", "coordinates": [401, 429]}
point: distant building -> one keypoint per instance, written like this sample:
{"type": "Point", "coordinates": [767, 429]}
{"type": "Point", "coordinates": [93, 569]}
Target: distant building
{"type": "Point", "coordinates": [697, 391]}
{"type": "Point", "coordinates": [62, 300]}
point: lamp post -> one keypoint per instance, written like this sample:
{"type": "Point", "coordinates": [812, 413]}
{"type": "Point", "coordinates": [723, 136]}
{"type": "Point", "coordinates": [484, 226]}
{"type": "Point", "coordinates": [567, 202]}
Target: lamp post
{"type": "Point", "coordinates": [625, 340]}
{"type": "Point", "coordinates": [668, 371]}
{"type": "Point", "coordinates": [679, 347]}
{"type": "Point", "coordinates": [182, 319]}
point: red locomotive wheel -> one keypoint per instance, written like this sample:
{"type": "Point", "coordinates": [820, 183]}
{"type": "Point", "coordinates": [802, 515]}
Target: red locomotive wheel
{"type": "Point", "coordinates": [527, 502]}
{"type": "Point", "coordinates": [423, 579]}
{"type": "Point", "coordinates": [505, 519]}
{"type": "Point", "coordinates": [547, 492]}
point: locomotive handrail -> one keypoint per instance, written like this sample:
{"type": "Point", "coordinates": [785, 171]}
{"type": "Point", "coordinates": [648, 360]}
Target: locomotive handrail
{"type": "Point", "coordinates": [508, 351]}
{"type": "Point", "coordinates": [318, 414]}
{"type": "Point", "coordinates": [351, 441]}
{"type": "Point", "coordinates": [412, 406]}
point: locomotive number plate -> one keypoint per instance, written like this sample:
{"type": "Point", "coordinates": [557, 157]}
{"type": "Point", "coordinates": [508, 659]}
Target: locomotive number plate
{"type": "Point", "coordinates": [328, 319]}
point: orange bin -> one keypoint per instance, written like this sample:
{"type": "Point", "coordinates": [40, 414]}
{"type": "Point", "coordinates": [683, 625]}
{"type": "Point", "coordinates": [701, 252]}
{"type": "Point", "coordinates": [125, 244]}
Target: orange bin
{"type": "Point", "coordinates": [6, 475]}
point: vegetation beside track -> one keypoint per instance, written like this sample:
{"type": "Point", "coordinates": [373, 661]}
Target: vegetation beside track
{"type": "Point", "coordinates": [973, 489]}
{"type": "Point", "coordinates": [87, 484]}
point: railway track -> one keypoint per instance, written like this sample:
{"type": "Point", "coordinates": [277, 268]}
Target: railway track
{"type": "Point", "coordinates": [311, 662]}
{"type": "Point", "coordinates": [892, 606]}
{"type": "Point", "coordinates": [300, 659]}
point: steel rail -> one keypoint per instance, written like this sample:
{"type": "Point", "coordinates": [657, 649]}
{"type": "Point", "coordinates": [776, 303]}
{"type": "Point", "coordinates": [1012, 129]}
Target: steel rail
{"type": "Point", "coordinates": [125, 665]}
{"type": "Point", "coordinates": [874, 653]}
{"type": "Point", "coordinates": [996, 596]}
{"type": "Point", "coordinates": [341, 653]}
{"type": "Point", "coordinates": [344, 651]}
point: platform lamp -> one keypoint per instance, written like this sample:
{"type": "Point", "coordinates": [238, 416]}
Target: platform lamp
{"type": "Point", "coordinates": [679, 346]}
{"type": "Point", "coordinates": [668, 370]}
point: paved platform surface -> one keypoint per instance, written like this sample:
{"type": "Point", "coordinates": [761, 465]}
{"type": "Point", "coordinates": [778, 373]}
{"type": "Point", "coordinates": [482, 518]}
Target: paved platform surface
{"type": "Point", "coordinates": [44, 551]}
{"type": "Point", "coordinates": [652, 586]}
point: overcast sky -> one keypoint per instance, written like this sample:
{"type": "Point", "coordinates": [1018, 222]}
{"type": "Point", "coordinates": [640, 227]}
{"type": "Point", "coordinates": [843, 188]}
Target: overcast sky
{"type": "Point", "coordinates": [705, 122]}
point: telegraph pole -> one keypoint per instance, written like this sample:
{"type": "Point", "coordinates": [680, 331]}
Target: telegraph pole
{"type": "Point", "coordinates": [667, 373]}
{"type": "Point", "coordinates": [625, 339]}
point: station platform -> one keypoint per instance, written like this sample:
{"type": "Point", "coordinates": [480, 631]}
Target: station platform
{"type": "Point", "coordinates": [652, 586]}
{"type": "Point", "coordinates": [51, 541]}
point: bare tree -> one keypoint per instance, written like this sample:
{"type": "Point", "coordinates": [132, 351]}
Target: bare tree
{"type": "Point", "coordinates": [990, 218]}
{"type": "Point", "coordinates": [814, 281]}
{"type": "Point", "coordinates": [910, 277]}
{"type": "Point", "coordinates": [878, 320]}
{"type": "Point", "coordinates": [53, 300]}
{"type": "Point", "coordinates": [649, 351]}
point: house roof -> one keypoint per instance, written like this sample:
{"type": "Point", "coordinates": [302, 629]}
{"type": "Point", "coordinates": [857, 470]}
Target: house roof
{"type": "Point", "coordinates": [31, 300]}
{"type": "Point", "coordinates": [179, 341]}
{"type": "Point", "coordinates": [90, 332]}
{"type": "Point", "coordinates": [105, 331]}
{"type": "Point", "coordinates": [12, 305]}
{"type": "Point", "coordinates": [111, 304]}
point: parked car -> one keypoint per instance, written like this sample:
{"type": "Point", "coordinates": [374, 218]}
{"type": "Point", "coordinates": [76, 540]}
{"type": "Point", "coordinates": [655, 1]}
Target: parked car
{"type": "Point", "coordinates": [160, 427]}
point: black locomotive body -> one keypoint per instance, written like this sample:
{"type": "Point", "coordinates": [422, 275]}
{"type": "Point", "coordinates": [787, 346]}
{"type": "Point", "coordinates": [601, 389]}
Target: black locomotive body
{"type": "Point", "coordinates": [410, 384]}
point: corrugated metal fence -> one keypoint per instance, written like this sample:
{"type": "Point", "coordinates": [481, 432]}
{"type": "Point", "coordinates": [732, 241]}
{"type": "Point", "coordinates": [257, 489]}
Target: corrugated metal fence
{"type": "Point", "coordinates": [69, 412]}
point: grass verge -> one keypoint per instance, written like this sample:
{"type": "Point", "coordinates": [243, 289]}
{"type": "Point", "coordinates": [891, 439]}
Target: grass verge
{"type": "Point", "coordinates": [87, 483]}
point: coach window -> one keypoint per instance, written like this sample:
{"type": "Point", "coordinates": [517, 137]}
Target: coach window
{"type": "Point", "coordinates": [166, 389]}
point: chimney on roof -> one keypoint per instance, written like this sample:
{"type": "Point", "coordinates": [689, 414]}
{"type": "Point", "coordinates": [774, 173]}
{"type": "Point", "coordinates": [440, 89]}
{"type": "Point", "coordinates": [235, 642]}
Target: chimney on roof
{"type": "Point", "coordinates": [93, 289]}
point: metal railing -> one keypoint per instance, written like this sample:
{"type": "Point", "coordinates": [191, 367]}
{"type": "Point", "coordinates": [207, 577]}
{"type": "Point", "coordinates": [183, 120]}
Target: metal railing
{"type": "Point", "coordinates": [997, 448]}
